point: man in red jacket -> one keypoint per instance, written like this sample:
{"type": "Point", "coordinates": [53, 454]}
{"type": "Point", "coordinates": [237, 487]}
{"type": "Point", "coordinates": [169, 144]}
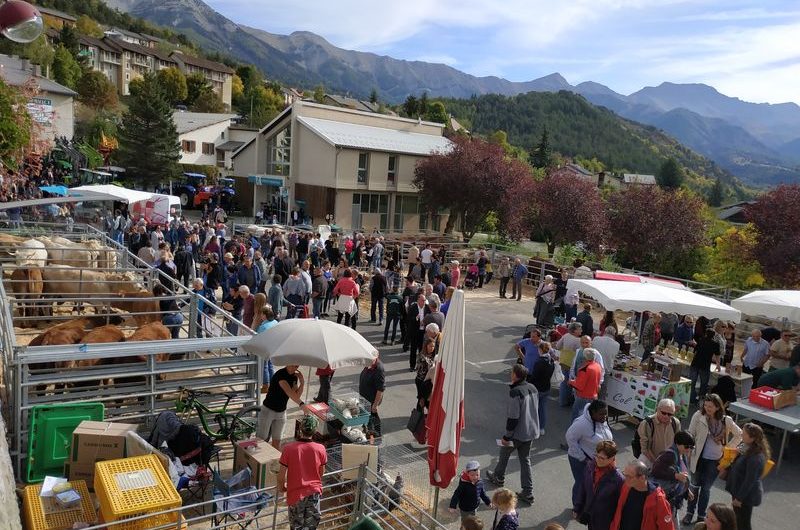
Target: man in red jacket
{"type": "Point", "coordinates": [586, 382]}
{"type": "Point", "coordinates": [642, 505]}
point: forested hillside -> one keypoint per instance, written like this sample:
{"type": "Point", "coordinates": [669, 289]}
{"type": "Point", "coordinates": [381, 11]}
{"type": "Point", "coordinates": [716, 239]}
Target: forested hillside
{"type": "Point", "coordinates": [576, 128]}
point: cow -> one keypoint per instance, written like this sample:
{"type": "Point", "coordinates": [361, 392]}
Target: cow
{"type": "Point", "coordinates": [142, 311]}
{"type": "Point", "coordinates": [27, 284]}
{"type": "Point", "coordinates": [61, 251]}
{"type": "Point", "coordinates": [31, 253]}
{"type": "Point", "coordinates": [106, 256]}
{"type": "Point", "coordinates": [70, 282]}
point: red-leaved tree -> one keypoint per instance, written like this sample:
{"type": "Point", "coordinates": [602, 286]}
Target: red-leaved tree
{"type": "Point", "coordinates": [473, 179]}
{"type": "Point", "coordinates": [776, 216]}
{"type": "Point", "coordinates": [657, 230]}
{"type": "Point", "coordinates": [567, 209]}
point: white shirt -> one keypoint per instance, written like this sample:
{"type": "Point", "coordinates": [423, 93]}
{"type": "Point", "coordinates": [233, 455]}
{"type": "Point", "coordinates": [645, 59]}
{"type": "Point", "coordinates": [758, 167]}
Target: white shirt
{"type": "Point", "coordinates": [426, 256]}
{"type": "Point", "coordinates": [608, 348]}
{"type": "Point", "coordinates": [306, 279]}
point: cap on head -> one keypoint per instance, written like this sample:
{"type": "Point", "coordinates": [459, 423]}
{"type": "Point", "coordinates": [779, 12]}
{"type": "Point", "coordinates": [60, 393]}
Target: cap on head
{"type": "Point", "coordinates": [308, 424]}
{"type": "Point", "coordinates": [472, 465]}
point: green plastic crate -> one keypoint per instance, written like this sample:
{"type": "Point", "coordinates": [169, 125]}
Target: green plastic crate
{"type": "Point", "coordinates": [50, 436]}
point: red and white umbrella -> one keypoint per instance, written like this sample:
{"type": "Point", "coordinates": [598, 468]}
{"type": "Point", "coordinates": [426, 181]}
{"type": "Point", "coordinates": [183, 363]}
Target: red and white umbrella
{"type": "Point", "coordinates": [446, 412]}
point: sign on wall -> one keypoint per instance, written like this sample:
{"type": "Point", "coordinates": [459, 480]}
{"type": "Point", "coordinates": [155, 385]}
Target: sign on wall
{"type": "Point", "coordinates": [41, 110]}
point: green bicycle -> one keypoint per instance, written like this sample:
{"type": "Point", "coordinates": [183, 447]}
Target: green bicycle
{"type": "Point", "coordinates": [226, 425]}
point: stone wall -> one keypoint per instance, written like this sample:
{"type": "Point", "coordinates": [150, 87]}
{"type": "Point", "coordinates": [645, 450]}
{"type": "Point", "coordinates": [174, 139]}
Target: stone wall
{"type": "Point", "coordinates": [9, 509]}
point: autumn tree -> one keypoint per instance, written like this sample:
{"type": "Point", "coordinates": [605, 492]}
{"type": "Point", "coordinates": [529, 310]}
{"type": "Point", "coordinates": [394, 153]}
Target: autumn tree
{"type": "Point", "coordinates": [258, 101]}
{"type": "Point", "coordinates": [148, 138]}
{"type": "Point", "coordinates": [776, 218]}
{"type": "Point", "coordinates": [208, 101]}
{"type": "Point", "coordinates": [670, 176]}
{"type": "Point", "coordinates": [85, 25]}
{"type": "Point", "coordinates": [96, 91]}
{"type": "Point", "coordinates": [15, 126]}
{"type": "Point", "coordinates": [472, 179]}
{"type": "Point", "coordinates": [567, 209]}
{"type": "Point", "coordinates": [731, 260]}
{"type": "Point", "coordinates": [173, 81]}
{"type": "Point", "coordinates": [717, 194]}
{"type": "Point", "coordinates": [66, 69]}
{"type": "Point", "coordinates": [319, 93]}
{"type": "Point", "coordinates": [657, 230]}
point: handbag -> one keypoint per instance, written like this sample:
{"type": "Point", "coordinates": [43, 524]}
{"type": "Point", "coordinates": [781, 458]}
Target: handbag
{"type": "Point", "coordinates": [417, 417]}
{"type": "Point", "coordinates": [558, 376]}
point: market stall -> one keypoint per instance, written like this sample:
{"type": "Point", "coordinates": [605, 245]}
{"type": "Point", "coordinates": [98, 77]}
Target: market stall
{"type": "Point", "coordinates": [778, 305]}
{"type": "Point", "coordinates": [639, 396]}
{"type": "Point", "coordinates": [786, 419]}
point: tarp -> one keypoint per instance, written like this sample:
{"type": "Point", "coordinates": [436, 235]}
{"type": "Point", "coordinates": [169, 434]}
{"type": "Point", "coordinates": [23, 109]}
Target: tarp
{"type": "Point", "coordinates": [627, 296]}
{"type": "Point", "coordinates": [55, 190]}
{"type": "Point", "coordinates": [778, 305]}
{"type": "Point", "coordinates": [635, 278]}
{"type": "Point", "coordinates": [110, 192]}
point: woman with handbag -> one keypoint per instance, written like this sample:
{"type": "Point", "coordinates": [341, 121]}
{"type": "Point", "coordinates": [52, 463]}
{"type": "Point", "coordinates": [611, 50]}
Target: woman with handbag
{"type": "Point", "coordinates": [671, 471]}
{"type": "Point", "coordinates": [598, 492]}
{"type": "Point", "coordinates": [712, 430]}
{"type": "Point", "coordinates": [744, 476]}
{"type": "Point", "coordinates": [542, 377]}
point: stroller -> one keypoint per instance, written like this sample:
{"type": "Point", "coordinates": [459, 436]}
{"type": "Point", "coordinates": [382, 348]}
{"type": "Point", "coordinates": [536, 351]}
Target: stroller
{"type": "Point", "coordinates": [471, 280]}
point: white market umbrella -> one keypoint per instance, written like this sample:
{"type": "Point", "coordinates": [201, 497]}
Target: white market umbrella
{"type": "Point", "coordinates": [446, 412]}
{"type": "Point", "coordinates": [628, 296]}
{"type": "Point", "coordinates": [311, 342]}
{"type": "Point", "coordinates": [777, 305]}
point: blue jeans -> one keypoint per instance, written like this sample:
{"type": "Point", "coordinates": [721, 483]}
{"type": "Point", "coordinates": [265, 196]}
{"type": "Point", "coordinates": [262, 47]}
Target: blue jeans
{"type": "Point", "coordinates": [543, 409]}
{"type": "Point", "coordinates": [173, 321]}
{"type": "Point", "coordinates": [702, 480]}
{"type": "Point", "coordinates": [694, 373]}
{"type": "Point", "coordinates": [577, 467]}
{"type": "Point", "coordinates": [565, 395]}
{"type": "Point", "coordinates": [317, 306]}
{"type": "Point", "coordinates": [578, 406]}
{"type": "Point", "coordinates": [379, 303]}
{"type": "Point", "coordinates": [268, 372]}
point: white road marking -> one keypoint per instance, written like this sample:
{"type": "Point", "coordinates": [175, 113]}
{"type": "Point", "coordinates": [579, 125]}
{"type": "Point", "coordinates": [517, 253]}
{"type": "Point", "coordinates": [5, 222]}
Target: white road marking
{"type": "Point", "coordinates": [479, 363]}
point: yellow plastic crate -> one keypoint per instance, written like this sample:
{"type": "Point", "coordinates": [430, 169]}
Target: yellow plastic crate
{"type": "Point", "coordinates": [37, 519]}
{"type": "Point", "coordinates": [132, 487]}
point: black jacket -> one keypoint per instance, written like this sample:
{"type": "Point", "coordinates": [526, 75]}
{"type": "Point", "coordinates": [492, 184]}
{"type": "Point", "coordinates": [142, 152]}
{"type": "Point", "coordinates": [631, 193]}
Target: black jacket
{"type": "Point", "coordinates": [467, 496]}
{"type": "Point", "coordinates": [543, 370]}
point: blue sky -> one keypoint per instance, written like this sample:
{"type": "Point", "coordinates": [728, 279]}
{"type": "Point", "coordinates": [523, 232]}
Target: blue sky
{"type": "Point", "coordinates": [745, 49]}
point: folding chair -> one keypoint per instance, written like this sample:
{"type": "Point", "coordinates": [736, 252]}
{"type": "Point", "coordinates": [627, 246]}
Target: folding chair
{"type": "Point", "coordinates": [237, 506]}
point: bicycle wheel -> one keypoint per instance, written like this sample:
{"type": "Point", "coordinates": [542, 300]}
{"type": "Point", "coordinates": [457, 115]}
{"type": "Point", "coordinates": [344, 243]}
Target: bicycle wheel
{"type": "Point", "coordinates": [244, 423]}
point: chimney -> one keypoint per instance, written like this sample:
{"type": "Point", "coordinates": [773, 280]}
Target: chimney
{"type": "Point", "coordinates": [24, 65]}
{"type": "Point", "coordinates": [37, 70]}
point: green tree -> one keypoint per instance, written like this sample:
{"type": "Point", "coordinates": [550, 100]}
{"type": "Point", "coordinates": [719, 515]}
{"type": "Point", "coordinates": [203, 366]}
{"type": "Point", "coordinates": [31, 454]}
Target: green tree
{"type": "Point", "coordinates": [422, 104]}
{"type": "Point", "coordinates": [66, 69]}
{"type": "Point", "coordinates": [541, 156]}
{"type": "Point", "coordinates": [411, 106]}
{"type": "Point", "coordinates": [68, 38]}
{"type": "Point", "coordinates": [717, 194]}
{"type": "Point", "coordinates": [15, 126]}
{"type": "Point", "coordinates": [731, 260]}
{"type": "Point", "coordinates": [85, 25]}
{"type": "Point", "coordinates": [173, 82]}
{"type": "Point", "coordinates": [373, 96]}
{"type": "Point", "coordinates": [40, 52]}
{"type": "Point", "coordinates": [437, 113]}
{"type": "Point", "coordinates": [319, 93]}
{"type": "Point", "coordinates": [265, 103]}
{"type": "Point", "coordinates": [148, 138]}
{"type": "Point", "coordinates": [196, 84]}
{"type": "Point", "coordinates": [96, 91]}
{"type": "Point", "coordinates": [208, 101]}
{"type": "Point", "coordinates": [670, 176]}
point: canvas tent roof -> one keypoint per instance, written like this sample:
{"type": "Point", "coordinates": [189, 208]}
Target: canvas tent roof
{"type": "Point", "coordinates": [771, 304]}
{"type": "Point", "coordinates": [628, 296]}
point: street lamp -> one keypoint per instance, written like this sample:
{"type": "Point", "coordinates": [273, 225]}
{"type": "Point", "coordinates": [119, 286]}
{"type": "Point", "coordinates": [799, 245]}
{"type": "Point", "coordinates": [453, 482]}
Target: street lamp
{"type": "Point", "coordinates": [20, 21]}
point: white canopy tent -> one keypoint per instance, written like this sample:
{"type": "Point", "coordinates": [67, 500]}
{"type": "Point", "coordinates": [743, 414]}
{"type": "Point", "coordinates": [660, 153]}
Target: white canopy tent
{"type": "Point", "coordinates": [778, 305]}
{"type": "Point", "coordinates": [99, 192]}
{"type": "Point", "coordinates": [628, 296]}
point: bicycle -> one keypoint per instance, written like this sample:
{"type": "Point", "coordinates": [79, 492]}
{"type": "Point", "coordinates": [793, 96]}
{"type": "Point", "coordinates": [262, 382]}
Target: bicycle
{"type": "Point", "coordinates": [233, 427]}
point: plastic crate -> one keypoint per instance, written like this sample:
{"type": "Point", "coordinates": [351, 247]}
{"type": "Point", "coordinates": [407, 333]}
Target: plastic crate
{"type": "Point", "coordinates": [50, 436]}
{"type": "Point", "coordinates": [362, 418]}
{"type": "Point", "coordinates": [132, 487]}
{"type": "Point", "coordinates": [37, 519]}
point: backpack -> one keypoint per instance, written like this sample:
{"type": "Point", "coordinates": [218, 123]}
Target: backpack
{"type": "Point", "coordinates": [636, 443]}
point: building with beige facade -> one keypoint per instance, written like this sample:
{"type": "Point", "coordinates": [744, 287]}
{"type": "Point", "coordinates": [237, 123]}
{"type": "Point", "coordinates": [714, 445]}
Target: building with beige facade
{"type": "Point", "coordinates": [199, 134]}
{"type": "Point", "coordinates": [358, 166]}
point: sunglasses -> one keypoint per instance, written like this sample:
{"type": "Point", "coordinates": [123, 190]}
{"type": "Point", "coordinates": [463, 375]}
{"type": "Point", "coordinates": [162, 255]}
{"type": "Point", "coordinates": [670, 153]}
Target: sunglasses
{"type": "Point", "coordinates": [666, 413]}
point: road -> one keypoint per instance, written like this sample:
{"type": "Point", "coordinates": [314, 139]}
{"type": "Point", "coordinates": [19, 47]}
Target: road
{"type": "Point", "coordinates": [493, 326]}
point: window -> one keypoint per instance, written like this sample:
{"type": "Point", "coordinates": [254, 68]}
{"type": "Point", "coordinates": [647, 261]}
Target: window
{"type": "Point", "coordinates": [187, 146]}
{"type": "Point", "coordinates": [371, 203]}
{"type": "Point", "coordinates": [208, 148]}
{"type": "Point", "coordinates": [405, 205]}
{"type": "Point", "coordinates": [363, 169]}
{"type": "Point", "coordinates": [279, 152]}
{"type": "Point", "coordinates": [391, 173]}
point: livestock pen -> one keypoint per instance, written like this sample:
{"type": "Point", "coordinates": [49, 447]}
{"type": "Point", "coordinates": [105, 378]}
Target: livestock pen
{"type": "Point", "coordinates": [84, 281]}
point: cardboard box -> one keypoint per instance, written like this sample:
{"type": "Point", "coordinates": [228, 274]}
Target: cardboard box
{"type": "Point", "coordinates": [93, 441]}
{"type": "Point", "coordinates": [77, 471]}
{"type": "Point", "coordinates": [261, 458]}
{"type": "Point", "coordinates": [772, 398]}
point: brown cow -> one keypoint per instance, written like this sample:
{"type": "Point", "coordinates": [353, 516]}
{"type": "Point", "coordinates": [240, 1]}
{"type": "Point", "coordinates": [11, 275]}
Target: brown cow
{"type": "Point", "coordinates": [28, 285]}
{"type": "Point", "coordinates": [143, 311]}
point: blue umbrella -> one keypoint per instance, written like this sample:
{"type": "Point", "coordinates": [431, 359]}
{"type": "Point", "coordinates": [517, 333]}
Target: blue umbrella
{"type": "Point", "coordinates": [55, 190]}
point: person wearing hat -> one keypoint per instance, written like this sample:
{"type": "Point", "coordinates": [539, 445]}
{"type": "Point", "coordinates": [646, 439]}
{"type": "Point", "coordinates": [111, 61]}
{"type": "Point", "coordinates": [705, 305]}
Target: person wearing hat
{"type": "Point", "coordinates": [300, 476]}
{"type": "Point", "coordinates": [470, 491]}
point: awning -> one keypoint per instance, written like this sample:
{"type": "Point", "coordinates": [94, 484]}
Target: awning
{"type": "Point", "coordinates": [110, 192]}
{"type": "Point", "coordinates": [628, 296]}
{"type": "Point", "coordinates": [777, 305]}
{"type": "Point", "coordinates": [635, 278]}
{"type": "Point", "coordinates": [230, 146]}
{"type": "Point", "coordinates": [54, 190]}
{"type": "Point", "coordinates": [265, 180]}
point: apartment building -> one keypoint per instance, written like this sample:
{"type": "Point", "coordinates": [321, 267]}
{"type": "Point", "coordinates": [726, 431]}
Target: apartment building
{"type": "Point", "coordinates": [219, 75]}
{"type": "Point", "coordinates": [356, 165]}
{"type": "Point", "coordinates": [104, 56]}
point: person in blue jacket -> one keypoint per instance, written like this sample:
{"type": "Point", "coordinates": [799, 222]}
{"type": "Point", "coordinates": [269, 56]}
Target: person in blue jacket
{"type": "Point", "coordinates": [598, 492]}
{"type": "Point", "coordinates": [470, 492]}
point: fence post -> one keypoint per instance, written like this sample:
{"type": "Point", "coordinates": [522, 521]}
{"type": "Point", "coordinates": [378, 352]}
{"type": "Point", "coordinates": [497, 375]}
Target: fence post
{"type": "Point", "coordinates": [193, 313]}
{"type": "Point", "coordinates": [358, 502]}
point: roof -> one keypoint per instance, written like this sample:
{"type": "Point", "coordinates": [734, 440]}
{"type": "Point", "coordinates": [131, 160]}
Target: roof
{"type": "Point", "coordinates": [635, 178]}
{"type": "Point", "coordinates": [131, 47]}
{"type": "Point", "coordinates": [352, 103]}
{"type": "Point", "coordinates": [201, 62]}
{"type": "Point", "coordinates": [16, 72]}
{"type": "Point", "coordinates": [277, 119]}
{"type": "Point", "coordinates": [580, 169]}
{"type": "Point", "coordinates": [102, 44]}
{"type": "Point", "coordinates": [55, 13]}
{"type": "Point", "coordinates": [191, 121]}
{"type": "Point", "coordinates": [355, 136]}
{"type": "Point", "coordinates": [132, 34]}
{"type": "Point", "coordinates": [230, 145]}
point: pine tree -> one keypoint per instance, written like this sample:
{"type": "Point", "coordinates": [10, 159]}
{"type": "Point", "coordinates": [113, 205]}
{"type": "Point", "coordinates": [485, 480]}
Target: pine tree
{"type": "Point", "coordinates": [716, 194]}
{"type": "Point", "coordinates": [410, 106]}
{"type": "Point", "coordinates": [373, 96]}
{"type": "Point", "coordinates": [670, 176]}
{"type": "Point", "coordinates": [542, 154]}
{"type": "Point", "coordinates": [148, 138]}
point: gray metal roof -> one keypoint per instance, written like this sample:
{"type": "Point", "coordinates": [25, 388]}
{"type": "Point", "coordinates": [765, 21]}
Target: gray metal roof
{"type": "Point", "coordinates": [15, 72]}
{"type": "Point", "coordinates": [370, 138]}
{"type": "Point", "coordinates": [230, 145]}
{"type": "Point", "coordinates": [635, 178]}
{"type": "Point", "coordinates": [190, 121]}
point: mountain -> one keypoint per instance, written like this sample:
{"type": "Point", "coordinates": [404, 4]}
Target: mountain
{"type": "Point", "coordinates": [758, 142]}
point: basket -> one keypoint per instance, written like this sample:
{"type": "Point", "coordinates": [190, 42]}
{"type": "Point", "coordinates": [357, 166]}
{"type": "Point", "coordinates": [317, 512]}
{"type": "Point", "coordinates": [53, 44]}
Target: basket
{"type": "Point", "coordinates": [132, 487]}
{"type": "Point", "coordinates": [50, 436]}
{"type": "Point", "coordinates": [362, 418]}
{"type": "Point", "coordinates": [36, 518]}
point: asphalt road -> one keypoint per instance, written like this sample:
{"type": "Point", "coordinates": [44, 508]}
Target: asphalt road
{"type": "Point", "coordinates": [493, 326]}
